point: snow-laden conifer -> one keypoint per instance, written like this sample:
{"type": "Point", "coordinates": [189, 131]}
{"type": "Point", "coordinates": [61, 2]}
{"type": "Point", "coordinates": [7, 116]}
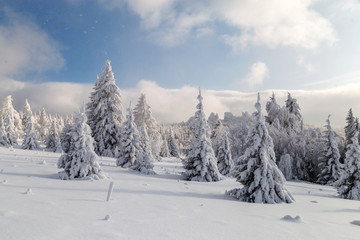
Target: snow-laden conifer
{"type": "Point", "coordinates": [30, 140]}
{"type": "Point", "coordinates": [225, 162]}
{"type": "Point", "coordinates": [65, 135]}
{"type": "Point", "coordinates": [130, 147]}
{"type": "Point", "coordinates": [329, 161]}
{"type": "Point", "coordinates": [200, 163]}
{"type": "Point", "coordinates": [105, 114]}
{"type": "Point", "coordinates": [26, 113]}
{"type": "Point", "coordinates": [350, 127]}
{"type": "Point", "coordinates": [42, 125]}
{"type": "Point", "coordinates": [173, 148]}
{"type": "Point", "coordinates": [285, 166]}
{"type": "Point", "coordinates": [144, 158]}
{"type": "Point", "coordinates": [143, 116]}
{"type": "Point", "coordinates": [348, 186]}
{"type": "Point", "coordinates": [216, 136]}
{"type": "Point", "coordinates": [256, 169]}
{"type": "Point", "coordinates": [212, 120]}
{"type": "Point", "coordinates": [164, 151]}
{"type": "Point", "coordinates": [3, 138]}
{"type": "Point", "coordinates": [273, 110]}
{"type": "Point", "coordinates": [8, 115]}
{"type": "Point", "coordinates": [81, 160]}
{"type": "Point", "coordinates": [53, 142]}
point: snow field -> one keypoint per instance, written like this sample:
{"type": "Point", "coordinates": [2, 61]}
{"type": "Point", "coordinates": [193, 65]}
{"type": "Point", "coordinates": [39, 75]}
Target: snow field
{"type": "Point", "coordinates": [156, 207]}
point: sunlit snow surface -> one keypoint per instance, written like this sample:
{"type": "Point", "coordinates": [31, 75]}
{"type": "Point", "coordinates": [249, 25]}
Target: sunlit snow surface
{"type": "Point", "coordinates": [36, 204]}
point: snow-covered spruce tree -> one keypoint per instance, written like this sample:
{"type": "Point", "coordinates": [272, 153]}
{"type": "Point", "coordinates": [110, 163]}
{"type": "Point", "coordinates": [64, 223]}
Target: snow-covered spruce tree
{"type": "Point", "coordinates": [225, 162]}
{"type": "Point", "coordinates": [329, 161]}
{"type": "Point", "coordinates": [200, 163]}
{"type": "Point", "coordinates": [143, 116]}
{"type": "Point", "coordinates": [350, 127]}
{"type": "Point", "coordinates": [42, 125]}
{"type": "Point", "coordinates": [53, 142]}
{"type": "Point", "coordinates": [143, 161]}
{"type": "Point", "coordinates": [26, 114]}
{"type": "Point", "coordinates": [212, 120]}
{"type": "Point", "coordinates": [81, 160]}
{"type": "Point", "coordinates": [348, 186]}
{"type": "Point", "coordinates": [164, 151]}
{"type": "Point", "coordinates": [256, 169]}
{"type": "Point", "coordinates": [285, 166]}
{"type": "Point", "coordinates": [173, 149]}
{"type": "Point", "coordinates": [30, 140]}
{"type": "Point", "coordinates": [216, 136]}
{"type": "Point", "coordinates": [105, 114]}
{"type": "Point", "coordinates": [8, 115]}
{"type": "Point", "coordinates": [130, 148]}
{"type": "Point", "coordinates": [3, 138]}
{"type": "Point", "coordinates": [65, 135]}
{"type": "Point", "coordinates": [273, 110]}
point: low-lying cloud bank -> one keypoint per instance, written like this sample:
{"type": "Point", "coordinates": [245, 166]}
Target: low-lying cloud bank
{"type": "Point", "coordinates": [175, 105]}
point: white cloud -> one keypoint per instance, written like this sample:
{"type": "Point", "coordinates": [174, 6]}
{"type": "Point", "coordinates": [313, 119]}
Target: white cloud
{"type": "Point", "coordinates": [258, 72]}
{"type": "Point", "coordinates": [271, 23]}
{"type": "Point", "coordinates": [175, 105]}
{"type": "Point", "coordinates": [302, 63]}
{"type": "Point", "coordinates": [25, 47]}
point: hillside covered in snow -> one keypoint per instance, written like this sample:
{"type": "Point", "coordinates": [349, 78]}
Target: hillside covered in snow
{"type": "Point", "coordinates": [36, 204]}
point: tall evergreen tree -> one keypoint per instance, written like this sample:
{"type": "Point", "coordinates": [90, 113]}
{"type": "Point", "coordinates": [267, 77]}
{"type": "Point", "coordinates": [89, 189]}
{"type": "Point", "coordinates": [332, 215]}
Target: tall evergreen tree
{"type": "Point", "coordinates": [105, 114]}
{"type": "Point", "coordinates": [329, 161]}
{"type": "Point", "coordinates": [173, 149]}
{"type": "Point", "coordinates": [212, 120]}
{"type": "Point", "coordinates": [273, 110]}
{"type": "Point", "coordinates": [129, 150]}
{"type": "Point", "coordinates": [81, 160]}
{"type": "Point", "coordinates": [53, 141]}
{"type": "Point", "coordinates": [30, 140]}
{"type": "Point", "coordinates": [216, 136]}
{"type": "Point", "coordinates": [256, 169]}
{"type": "Point", "coordinates": [348, 186]}
{"type": "Point", "coordinates": [143, 116]}
{"type": "Point", "coordinates": [3, 137]}
{"type": "Point", "coordinates": [350, 127]}
{"type": "Point", "coordinates": [225, 162]}
{"type": "Point", "coordinates": [26, 114]}
{"type": "Point", "coordinates": [42, 125]}
{"type": "Point", "coordinates": [65, 135]}
{"type": "Point", "coordinates": [164, 151]}
{"type": "Point", "coordinates": [200, 164]}
{"type": "Point", "coordinates": [143, 161]}
{"type": "Point", "coordinates": [8, 115]}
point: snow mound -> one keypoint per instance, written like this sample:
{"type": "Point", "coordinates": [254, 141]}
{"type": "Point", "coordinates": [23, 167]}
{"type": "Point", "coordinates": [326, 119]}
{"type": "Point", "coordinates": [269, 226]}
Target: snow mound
{"type": "Point", "coordinates": [356, 222]}
{"type": "Point", "coordinates": [289, 218]}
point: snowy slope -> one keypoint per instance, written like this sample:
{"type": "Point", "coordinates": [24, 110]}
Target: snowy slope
{"type": "Point", "coordinates": [156, 207]}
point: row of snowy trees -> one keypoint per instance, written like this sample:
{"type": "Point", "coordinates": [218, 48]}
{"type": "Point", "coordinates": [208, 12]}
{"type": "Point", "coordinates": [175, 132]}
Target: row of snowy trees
{"type": "Point", "coordinates": [267, 150]}
{"type": "Point", "coordinates": [32, 128]}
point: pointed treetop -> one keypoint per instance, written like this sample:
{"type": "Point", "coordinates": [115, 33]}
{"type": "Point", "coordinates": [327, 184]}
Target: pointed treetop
{"type": "Point", "coordinates": [200, 97]}
{"type": "Point", "coordinates": [328, 120]}
{"type": "Point", "coordinates": [257, 104]}
{"type": "Point", "coordinates": [108, 65]}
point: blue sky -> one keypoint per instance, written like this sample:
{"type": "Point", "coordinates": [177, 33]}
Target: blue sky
{"type": "Point", "coordinates": [308, 47]}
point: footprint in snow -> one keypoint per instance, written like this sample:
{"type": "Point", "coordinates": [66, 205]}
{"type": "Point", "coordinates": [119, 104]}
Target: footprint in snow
{"type": "Point", "coordinates": [4, 181]}
{"type": "Point", "coordinates": [356, 222]}
{"type": "Point", "coordinates": [314, 201]}
{"type": "Point", "coordinates": [289, 218]}
{"type": "Point", "coordinates": [28, 192]}
{"type": "Point", "coordinates": [107, 218]}
{"type": "Point", "coordinates": [2, 170]}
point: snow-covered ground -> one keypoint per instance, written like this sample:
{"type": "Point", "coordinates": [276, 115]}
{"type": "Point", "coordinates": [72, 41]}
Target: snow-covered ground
{"type": "Point", "coordinates": [36, 204]}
